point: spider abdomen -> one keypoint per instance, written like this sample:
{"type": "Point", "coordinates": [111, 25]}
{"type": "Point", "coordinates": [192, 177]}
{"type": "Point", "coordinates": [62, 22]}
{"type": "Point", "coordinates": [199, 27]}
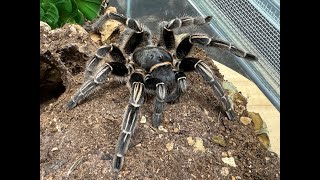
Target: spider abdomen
{"type": "Point", "coordinates": [149, 56]}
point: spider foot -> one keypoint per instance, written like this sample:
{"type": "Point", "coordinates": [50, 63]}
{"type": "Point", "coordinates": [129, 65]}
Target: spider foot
{"type": "Point", "coordinates": [156, 119]}
{"type": "Point", "coordinates": [117, 163]}
{"type": "Point", "coordinates": [174, 101]}
{"type": "Point", "coordinates": [231, 115]}
{"type": "Point", "coordinates": [208, 18]}
{"type": "Point", "coordinates": [70, 105]}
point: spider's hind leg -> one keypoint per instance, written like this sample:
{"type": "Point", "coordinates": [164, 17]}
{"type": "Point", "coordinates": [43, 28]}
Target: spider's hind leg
{"type": "Point", "coordinates": [190, 64]}
{"type": "Point", "coordinates": [186, 44]}
{"type": "Point", "coordinates": [140, 33]}
{"type": "Point", "coordinates": [101, 53]}
{"type": "Point", "coordinates": [131, 23]}
{"type": "Point", "coordinates": [167, 37]}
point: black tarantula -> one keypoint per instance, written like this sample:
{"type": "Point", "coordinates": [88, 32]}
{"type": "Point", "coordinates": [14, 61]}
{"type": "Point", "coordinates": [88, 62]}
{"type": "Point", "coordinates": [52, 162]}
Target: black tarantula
{"type": "Point", "coordinates": [152, 69]}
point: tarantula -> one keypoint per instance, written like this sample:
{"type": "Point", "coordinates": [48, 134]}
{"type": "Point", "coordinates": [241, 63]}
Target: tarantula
{"type": "Point", "coordinates": [157, 69]}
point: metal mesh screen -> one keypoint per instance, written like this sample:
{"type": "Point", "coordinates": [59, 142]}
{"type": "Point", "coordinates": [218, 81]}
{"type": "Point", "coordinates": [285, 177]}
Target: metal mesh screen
{"type": "Point", "coordinates": [253, 25]}
{"type": "Point", "coordinates": [257, 29]}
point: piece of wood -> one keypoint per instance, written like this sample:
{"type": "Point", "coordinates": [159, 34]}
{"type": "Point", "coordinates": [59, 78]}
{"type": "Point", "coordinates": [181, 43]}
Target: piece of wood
{"type": "Point", "coordinates": [257, 102]}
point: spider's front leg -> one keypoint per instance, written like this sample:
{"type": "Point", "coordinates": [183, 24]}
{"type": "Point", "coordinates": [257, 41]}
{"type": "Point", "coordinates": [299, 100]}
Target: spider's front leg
{"type": "Point", "coordinates": [131, 23]}
{"type": "Point", "coordinates": [190, 64]}
{"type": "Point", "coordinates": [129, 119]}
{"type": "Point", "coordinates": [140, 34]}
{"type": "Point", "coordinates": [94, 77]}
{"type": "Point", "coordinates": [181, 87]}
{"type": "Point", "coordinates": [115, 68]}
{"type": "Point", "coordinates": [161, 94]}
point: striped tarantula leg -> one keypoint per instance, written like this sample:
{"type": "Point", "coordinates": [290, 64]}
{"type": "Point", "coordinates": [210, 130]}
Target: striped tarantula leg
{"type": "Point", "coordinates": [102, 52]}
{"type": "Point", "coordinates": [159, 103]}
{"type": "Point", "coordinates": [190, 64]}
{"type": "Point", "coordinates": [89, 85]}
{"type": "Point", "coordinates": [139, 35]}
{"type": "Point", "coordinates": [187, 21]}
{"type": "Point", "coordinates": [186, 44]}
{"type": "Point", "coordinates": [183, 48]}
{"type": "Point", "coordinates": [207, 41]}
{"type": "Point", "coordinates": [116, 68]}
{"type": "Point", "coordinates": [133, 42]}
{"type": "Point", "coordinates": [129, 119]}
{"type": "Point", "coordinates": [157, 86]}
{"type": "Point", "coordinates": [131, 23]}
{"type": "Point", "coordinates": [181, 80]}
{"type": "Point", "coordinates": [167, 36]}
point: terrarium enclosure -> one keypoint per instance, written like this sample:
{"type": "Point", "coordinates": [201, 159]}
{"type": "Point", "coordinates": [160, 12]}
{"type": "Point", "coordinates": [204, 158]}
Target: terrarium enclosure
{"type": "Point", "coordinates": [195, 140]}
